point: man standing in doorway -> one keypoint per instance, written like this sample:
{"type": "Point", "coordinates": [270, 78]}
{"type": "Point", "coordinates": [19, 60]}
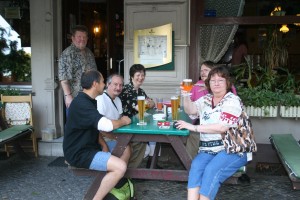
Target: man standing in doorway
{"type": "Point", "coordinates": [75, 60]}
{"type": "Point", "coordinates": [80, 144]}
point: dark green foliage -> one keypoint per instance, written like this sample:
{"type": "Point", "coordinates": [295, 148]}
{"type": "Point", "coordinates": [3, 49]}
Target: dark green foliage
{"type": "Point", "coordinates": [16, 62]}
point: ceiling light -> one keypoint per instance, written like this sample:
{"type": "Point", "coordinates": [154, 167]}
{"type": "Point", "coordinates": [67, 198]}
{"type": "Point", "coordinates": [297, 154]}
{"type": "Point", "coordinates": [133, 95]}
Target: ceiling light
{"type": "Point", "coordinates": [284, 28]}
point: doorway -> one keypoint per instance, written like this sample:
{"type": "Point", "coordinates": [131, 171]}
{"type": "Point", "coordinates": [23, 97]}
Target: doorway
{"type": "Point", "coordinates": [105, 21]}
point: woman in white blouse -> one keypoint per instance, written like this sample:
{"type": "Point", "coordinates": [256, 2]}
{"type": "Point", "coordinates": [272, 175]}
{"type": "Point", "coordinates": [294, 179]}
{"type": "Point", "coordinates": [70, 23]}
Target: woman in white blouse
{"type": "Point", "coordinates": [218, 111]}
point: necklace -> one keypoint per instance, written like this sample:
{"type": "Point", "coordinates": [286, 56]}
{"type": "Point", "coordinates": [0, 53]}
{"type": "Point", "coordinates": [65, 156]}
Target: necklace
{"type": "Point", "coordinates": [214, 102]}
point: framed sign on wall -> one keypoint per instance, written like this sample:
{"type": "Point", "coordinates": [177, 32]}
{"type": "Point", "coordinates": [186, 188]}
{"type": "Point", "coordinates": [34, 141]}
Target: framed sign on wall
{"type": "Point", "coordinates": [153, 48]}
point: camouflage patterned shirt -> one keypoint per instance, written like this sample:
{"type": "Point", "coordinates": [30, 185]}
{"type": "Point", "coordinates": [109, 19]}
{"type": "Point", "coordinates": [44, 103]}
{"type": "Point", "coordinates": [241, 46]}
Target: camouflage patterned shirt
{"type": "Point", "coordinates": [72, 64]}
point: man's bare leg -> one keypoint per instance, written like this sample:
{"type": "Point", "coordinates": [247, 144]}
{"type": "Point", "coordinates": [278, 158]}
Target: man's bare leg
{"type": "Point", "coordinates": [116, 169]}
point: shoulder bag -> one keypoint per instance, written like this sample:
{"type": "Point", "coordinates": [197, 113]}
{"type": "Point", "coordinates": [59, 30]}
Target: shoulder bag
{"type": "Point", "coordinates": [241, 138]}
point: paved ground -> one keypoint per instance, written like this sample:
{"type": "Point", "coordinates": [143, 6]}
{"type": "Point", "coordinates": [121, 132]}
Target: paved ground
{"type": "Point", "coordinates": [33, 179]}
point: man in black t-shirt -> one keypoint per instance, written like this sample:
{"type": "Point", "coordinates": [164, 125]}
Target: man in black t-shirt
{"type": "Point", "coordinates": [80, 145]}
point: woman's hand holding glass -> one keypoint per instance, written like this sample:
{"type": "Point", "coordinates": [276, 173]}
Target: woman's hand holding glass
{"type": "Point", "coordinates": [149, 103]}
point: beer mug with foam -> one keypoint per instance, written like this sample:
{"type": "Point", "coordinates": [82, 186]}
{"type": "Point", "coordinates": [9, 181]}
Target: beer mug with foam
{"type": "Point", "coordinates": [141, 108]}
{"type": "Point", "coordinates": [187, 85]}
{"type": "Point", "coordinates": [174, 106]}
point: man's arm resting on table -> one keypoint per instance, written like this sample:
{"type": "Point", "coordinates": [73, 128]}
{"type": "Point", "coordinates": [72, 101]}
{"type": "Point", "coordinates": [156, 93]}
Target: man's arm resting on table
{"type": "Point", "coordinates": [108, 125]}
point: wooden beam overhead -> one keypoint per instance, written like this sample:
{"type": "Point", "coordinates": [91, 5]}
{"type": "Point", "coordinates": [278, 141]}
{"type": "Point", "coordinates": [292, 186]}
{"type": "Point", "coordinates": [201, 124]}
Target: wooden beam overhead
{"type": "Point", "coordinates": [255, 20]}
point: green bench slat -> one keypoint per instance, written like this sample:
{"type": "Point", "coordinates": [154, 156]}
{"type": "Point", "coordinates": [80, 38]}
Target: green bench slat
{"type": "Point", "coordinates": [289, 149]}
{"type": "Point", "coordinates": [13, 131]}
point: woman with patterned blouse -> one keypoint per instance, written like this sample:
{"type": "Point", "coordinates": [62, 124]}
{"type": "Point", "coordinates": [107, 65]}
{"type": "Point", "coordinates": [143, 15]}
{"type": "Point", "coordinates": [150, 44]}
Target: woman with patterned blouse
{"type": "Point", "coordinates": [128, 97]}
{"type": "Point", "coordinates": [218, 111]}
{"type": "Point", "coordinates": [133, 89]}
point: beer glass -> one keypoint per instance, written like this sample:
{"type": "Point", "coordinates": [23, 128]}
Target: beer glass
{"type": "Point", "coordinates": [159, 104]}
{"type": "Point", "coordinates": [141, 108]}
{"type": "Point", "coordinates": [187, 85]}
{"type": "Point", "coordinates": [174, 106]}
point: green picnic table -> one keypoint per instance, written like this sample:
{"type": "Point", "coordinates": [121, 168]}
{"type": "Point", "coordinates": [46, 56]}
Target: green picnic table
{"type": "Point", "coordinates": [151, 133]}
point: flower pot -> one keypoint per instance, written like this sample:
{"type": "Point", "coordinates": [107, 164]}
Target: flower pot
{"type": "Point", "coordinates": [265, 111]}
{"type": "Point", "coordinates": [290, 111]}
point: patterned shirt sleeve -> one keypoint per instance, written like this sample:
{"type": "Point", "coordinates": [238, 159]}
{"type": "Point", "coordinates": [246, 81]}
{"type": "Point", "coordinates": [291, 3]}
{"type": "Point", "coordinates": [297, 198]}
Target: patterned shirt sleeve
{"type": "Point", "coordinates": [128, 100]}
{"type": "Point", "coordinates": [231, 110]}
{"type": "Point", "coordinates": [128, 97]}
{"type": "Point", "coordinates": [64, 66]}
{"type": "Point", "coordinates": [72, 64]}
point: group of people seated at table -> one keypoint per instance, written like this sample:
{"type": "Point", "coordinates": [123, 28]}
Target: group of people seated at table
{"type": "Point", "coordinates": [95, 112]}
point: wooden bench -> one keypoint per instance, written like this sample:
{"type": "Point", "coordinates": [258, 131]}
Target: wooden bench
{"type": "Point", "coordinates": [13, 135]}
{"type": "Point", "coordinates": [288, 150]}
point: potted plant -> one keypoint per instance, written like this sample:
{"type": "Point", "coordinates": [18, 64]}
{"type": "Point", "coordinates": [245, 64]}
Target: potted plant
{"type": "Point", "coordinates": [289, 105]}
{"type": "Point", "coordinates": [259, 102]}
{"type": "Point", "coordinates": [7, 91]}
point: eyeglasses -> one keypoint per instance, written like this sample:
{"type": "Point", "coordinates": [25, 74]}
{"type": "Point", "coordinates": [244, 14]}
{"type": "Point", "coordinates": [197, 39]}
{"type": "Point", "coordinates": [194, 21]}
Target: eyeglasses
{"type": "Point", "coordinates": [221, 81]}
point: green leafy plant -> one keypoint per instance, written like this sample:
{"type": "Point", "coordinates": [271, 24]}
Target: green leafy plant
{"type": "Point", "coordinates": [266, 78]}
{"type": "Point", "coordinates": [10, 91]}
{"type": "Point", "coordinates": [275, 52]}
{"type": "Point", "coordinates": [16, 63]}
{"type": "Point", "coordinates": [287, 82]}
{"type": "Point", "coordinates": [244, 71]}
{"type": "Point", "coordinates": [289, 99]}
{"type": "Point", "coordinates": [258, 97]}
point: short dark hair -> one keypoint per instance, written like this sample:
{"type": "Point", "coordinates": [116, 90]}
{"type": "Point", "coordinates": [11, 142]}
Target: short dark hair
{"type": "Point", "coordinates": [136, 68]}
{"type": "Point", "coordinates": [80, 28]}
{"type": "Point", "coordinates": [222, 71]}
{"type": "Point", "coordinates": [88, 78]}
{"type": "Point", "coordinates": [209, 64]}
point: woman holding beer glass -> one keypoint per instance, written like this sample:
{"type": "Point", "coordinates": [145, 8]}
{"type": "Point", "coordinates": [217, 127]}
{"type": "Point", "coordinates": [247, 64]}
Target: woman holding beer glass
{"type": "Point", "coordinates": [218, 111]}
{"type": "Point", "coordinates": [129, 96]}
{"type": "Point", "coordinates": [199, 90]}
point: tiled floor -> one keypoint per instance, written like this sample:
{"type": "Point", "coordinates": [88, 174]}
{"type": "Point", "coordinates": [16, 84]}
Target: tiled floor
{"type": "Point", "coordinates": [33, 179]}
{"type": "Point", "coordinates": [51, 148]}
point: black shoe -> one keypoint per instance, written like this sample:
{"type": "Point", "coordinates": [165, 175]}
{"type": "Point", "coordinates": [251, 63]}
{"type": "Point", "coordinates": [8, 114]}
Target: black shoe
{"type": "Point", "coordinates": [158, 167]}
{"type": "Point", "coordinates": [149, 162]}
{"type": "Point", "coordinates": [244, 178]}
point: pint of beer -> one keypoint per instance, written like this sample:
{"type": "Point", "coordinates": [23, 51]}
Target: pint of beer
{"type": "Point", "coordinates": [141, 108]}
{"type": "Point", "coordinates": [187, 85]}
{"type": "Point", "coordinates": [174, 106]}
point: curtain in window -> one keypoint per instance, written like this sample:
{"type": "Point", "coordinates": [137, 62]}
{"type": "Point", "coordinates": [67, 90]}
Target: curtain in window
{"type": "Point", "coordinates": [214, 40]}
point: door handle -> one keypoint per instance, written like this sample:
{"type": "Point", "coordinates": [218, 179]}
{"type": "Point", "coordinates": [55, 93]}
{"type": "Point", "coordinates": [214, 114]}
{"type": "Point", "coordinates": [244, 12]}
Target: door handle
{"type": "Point", "coordinates": [110, 63]}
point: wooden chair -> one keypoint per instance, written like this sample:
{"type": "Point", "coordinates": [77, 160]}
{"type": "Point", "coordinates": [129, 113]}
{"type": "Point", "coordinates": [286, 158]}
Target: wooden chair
{"type": "Point", "coordinates": [17, 110]}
